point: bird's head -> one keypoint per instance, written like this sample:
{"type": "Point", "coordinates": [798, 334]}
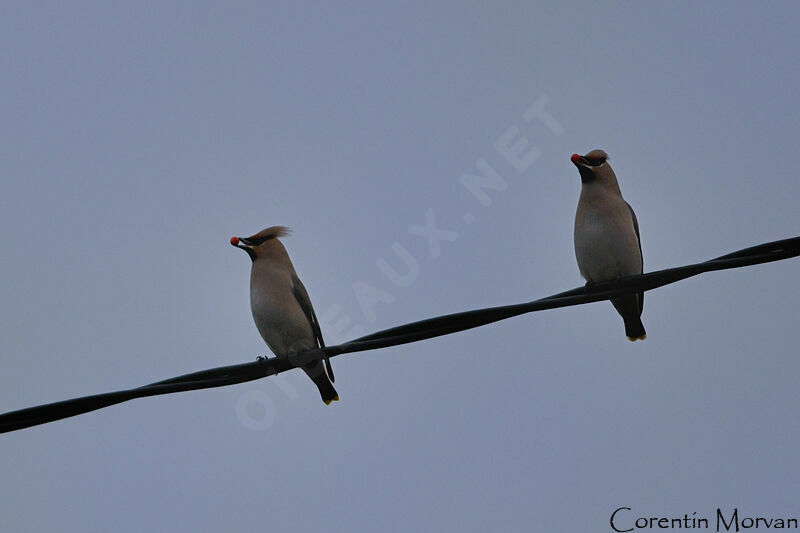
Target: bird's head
{"type": "Point", "coordinates": [262, 242]}
{"type": "Point", "coordinates": [592, 165]}
{"type": "Point", "coordinates": [594, 169]}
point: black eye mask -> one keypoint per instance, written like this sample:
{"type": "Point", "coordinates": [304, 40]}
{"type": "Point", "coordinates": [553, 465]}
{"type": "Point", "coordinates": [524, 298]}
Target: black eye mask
{"type": "Point", "coordinates": [255, 241]}
{"type": "Point", "coordinates": [594, 162]}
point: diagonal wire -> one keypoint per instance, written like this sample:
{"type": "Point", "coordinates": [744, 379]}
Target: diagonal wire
{"type": "Point", "coordinates": [413, 332]}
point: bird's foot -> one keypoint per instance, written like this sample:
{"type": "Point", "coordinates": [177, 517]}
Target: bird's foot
{"type": "Point", "coordinates": [261, 358]}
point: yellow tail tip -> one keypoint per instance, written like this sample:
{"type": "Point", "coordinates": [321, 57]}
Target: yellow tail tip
{"type": "Point", "coordinates": [335, 399]}
{"type": "Point", "coordinates": [634, 339]}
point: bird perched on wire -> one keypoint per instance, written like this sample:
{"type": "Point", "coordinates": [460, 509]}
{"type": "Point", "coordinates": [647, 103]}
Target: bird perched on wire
{"type": "Point", "coordinates": [281, 307]}
{"type": "Point", "coordinates": [607, 243]}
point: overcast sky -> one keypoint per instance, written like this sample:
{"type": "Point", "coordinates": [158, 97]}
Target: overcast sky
{"type": "Point", "coordinates": [136, 138]}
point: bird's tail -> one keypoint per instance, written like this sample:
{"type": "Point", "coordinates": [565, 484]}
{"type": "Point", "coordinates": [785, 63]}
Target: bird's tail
{"type": "Point", "coordinates": [630, 309]}
{"type": "Point", "coordinates": [634, 329]}
{"type": "Point", "coordinates": [316, 372]}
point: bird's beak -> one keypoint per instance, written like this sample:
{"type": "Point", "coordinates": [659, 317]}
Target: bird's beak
{"type": "Point", "coordinates": [244, 244]}
{"type": "Point", "coordinates": [577, 160]}
{"type": "Point", "coordinates": [584, 169]}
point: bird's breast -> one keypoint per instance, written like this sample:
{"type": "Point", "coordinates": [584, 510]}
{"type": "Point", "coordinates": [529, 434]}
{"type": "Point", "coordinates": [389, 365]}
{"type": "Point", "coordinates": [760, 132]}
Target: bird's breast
{"type": "Point", "coordinates": [606, 247]}
{"type": "Point", "coordinates": [280, 320]}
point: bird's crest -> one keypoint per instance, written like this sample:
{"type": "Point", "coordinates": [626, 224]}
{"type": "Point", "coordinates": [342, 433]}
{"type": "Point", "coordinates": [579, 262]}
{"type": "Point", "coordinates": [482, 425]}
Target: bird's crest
{"type": "Point", "coordinates": [272, 232]}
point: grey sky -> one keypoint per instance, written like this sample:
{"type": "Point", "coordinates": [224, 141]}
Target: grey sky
{"type": "Point", "coordinates": [136, 139]}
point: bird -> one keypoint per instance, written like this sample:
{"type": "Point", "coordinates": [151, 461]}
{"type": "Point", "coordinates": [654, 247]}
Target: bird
{"type": "Point", "coordinates": [281, 307]}
{"type": "Point", "coordinates": [607, 242]}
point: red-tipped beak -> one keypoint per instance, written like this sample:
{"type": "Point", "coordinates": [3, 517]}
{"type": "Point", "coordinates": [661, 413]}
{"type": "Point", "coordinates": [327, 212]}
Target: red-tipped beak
{"type": "Point", "coordinates": [575, 158]}
{"type": "Point", "coordinates": [244, 244]}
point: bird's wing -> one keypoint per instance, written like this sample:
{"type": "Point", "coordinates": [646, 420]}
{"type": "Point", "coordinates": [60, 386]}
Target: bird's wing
{"type": "Point", "coordinates": [300, 293]}
{"type": "Point", "coordinates": [639, 239]}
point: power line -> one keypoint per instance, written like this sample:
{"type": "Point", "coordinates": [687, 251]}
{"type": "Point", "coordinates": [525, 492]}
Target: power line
{"type": "Point", "coordinates": [413, 332]}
